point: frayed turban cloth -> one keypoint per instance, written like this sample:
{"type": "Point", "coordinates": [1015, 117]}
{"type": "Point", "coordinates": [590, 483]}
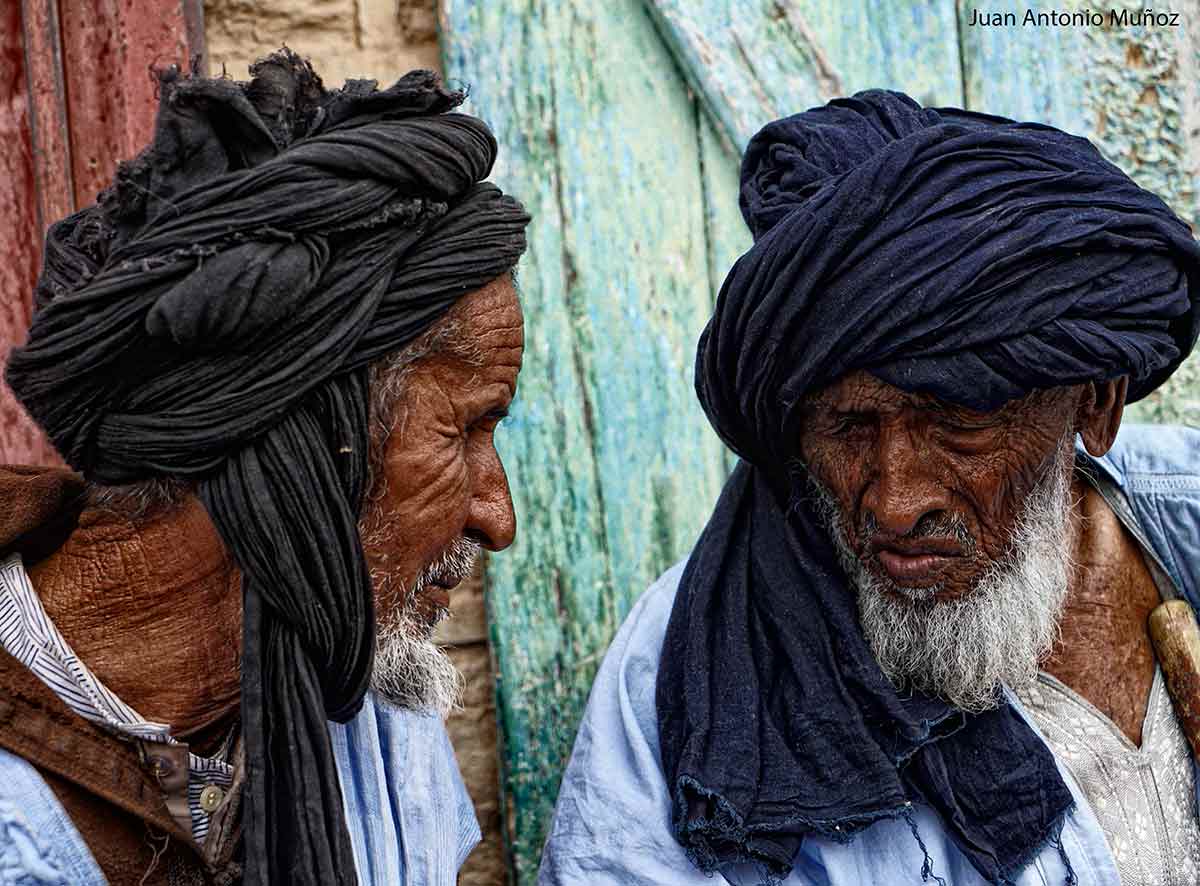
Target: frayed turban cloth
{"type": "Point", "coordinates": [212, 318]}
{"type": "Point", "coordinates": [946, 252]}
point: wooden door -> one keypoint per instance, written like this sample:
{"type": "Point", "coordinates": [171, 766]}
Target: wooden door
{"type": "Point", "coordinates": [76, 95]}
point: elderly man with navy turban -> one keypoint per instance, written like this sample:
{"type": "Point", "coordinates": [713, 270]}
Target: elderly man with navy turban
{"type": "Point", "coordinates": [911, 644]}
{"type": "Point", "coordinates": [274, 353]}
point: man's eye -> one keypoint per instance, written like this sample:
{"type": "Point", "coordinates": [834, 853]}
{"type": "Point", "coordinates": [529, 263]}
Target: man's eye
{"type": "Point", "coordinates": [963, 428]}
{"type": "Point", "coordinates": [846, 425]}
{"type": "Point", "coordinates": [488, 423]}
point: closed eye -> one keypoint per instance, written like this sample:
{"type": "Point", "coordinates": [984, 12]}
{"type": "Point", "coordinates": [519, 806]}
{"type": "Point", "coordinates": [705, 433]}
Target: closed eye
{"type": "Point", "coordinates": [849, 422]}
{"type": "Point", "coordinates": [489, 420]}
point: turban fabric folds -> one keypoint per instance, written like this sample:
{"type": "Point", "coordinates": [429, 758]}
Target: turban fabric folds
{"type": "Point", "coordinates": [213, 317]}
{"type": "Point", "coordinates": [946, 252]}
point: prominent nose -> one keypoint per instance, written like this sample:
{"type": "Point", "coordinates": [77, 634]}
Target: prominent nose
{"type": "Point", "coordinates": [490, 518]}
{"type": "Point", "coordinates": [904, 486]}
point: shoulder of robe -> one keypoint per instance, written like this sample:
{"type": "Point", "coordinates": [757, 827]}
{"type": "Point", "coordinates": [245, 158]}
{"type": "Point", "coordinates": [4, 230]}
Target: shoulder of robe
{"type": "Point", "coordinates": [1158, 467]}
{"type": "Point", "coordinates": [641, 635]}
{"type": "Point", "coordinates": [1169, 453]}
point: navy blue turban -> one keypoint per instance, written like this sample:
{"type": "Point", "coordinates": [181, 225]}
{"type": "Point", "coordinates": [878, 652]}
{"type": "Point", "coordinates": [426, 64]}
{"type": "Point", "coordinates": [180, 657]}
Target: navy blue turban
{"type": "Point", "coordinates": [212, 319]}
{"type": "Point", "coordinates": [946, 252]}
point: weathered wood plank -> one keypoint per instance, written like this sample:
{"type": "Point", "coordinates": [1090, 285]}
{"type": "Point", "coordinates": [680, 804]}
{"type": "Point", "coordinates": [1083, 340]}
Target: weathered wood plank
{"type": "Point", "coordinates": [20, 243]}
{"type": "Point", "coordinates": [109, 50]}
{"type": "Point", "coordinates": [47, 111]}
{"type": "Point", "coordinates": [612, 464]}
{"type": "Point", "coordinates": [751, 61]}
{"type": "Point", "coordinates": [1131, 89]}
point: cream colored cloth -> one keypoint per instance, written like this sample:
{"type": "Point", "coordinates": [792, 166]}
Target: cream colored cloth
{"type": "Point", "coordinates": [1144, 798]}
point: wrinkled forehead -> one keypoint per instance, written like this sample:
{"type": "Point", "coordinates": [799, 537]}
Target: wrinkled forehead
{"type": "Point", "coordinates": [861, 391]}
{"type": "Point", "coordinates": [482, 336]}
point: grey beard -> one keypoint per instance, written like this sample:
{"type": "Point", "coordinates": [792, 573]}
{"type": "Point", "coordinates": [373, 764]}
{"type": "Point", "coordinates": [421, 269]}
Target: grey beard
{"type": "Point", "coordinates": [411, 670]}
{"type": "Point", "coordinates": [963, 650]}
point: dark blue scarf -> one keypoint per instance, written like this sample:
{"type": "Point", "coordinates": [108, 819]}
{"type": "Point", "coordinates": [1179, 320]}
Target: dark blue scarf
{"type": "Point", "coordinates": [950, 253]}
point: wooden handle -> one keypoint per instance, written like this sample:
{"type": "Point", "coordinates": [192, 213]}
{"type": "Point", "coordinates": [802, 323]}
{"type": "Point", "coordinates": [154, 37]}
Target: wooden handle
{"type": "Point", "coordinates": [1176, 639]}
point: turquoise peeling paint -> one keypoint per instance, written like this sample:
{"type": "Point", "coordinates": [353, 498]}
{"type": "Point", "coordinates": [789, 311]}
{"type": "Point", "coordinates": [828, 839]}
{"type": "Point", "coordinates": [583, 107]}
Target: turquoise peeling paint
{"type": "Point", "coordinates": [612, 465]}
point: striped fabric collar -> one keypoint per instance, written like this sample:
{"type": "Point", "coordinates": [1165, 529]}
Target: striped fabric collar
{"type": "Point", "coordinates": [28, 634]}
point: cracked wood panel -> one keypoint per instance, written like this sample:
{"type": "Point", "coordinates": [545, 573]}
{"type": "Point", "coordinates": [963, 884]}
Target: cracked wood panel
{"type": "Point", "coordinates": [612, 464]}
{"type": "Point", "coordinates": [78, 97]}
{"type": "Point", "coordinates": [19, 438]}
{"type": "Point", "coordinates": [1134, 91]}
{"type": "Point", "coordinates": [752, 61]}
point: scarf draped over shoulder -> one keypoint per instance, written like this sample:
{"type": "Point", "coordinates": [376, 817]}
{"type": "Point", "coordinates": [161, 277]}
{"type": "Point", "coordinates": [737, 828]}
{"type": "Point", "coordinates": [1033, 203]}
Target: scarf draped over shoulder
{"type": "Point", "coordinates": [212, 318]}
{"type": "Point", "coordinates": [951, 253]}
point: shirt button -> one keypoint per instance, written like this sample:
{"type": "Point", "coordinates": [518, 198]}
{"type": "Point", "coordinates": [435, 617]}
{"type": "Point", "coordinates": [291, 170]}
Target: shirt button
{"type": "Point", "coordinates": [210, 798]}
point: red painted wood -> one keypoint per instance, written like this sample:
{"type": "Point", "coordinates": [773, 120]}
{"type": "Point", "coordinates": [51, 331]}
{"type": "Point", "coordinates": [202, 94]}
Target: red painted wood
{"type": "Point", "coordinates": [76, 96]}
{"type": "Point", "coordinates": [109, 49]}
{"type": "Point", "coordinates": [20, 440]}
{"type": "Point", "coordinates": [46, 94]}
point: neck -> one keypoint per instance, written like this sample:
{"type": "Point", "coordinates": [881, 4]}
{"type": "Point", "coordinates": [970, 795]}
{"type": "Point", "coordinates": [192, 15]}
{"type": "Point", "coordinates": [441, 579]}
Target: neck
{"type": "Point", "coordinates": [1105, 653]}
{"type": "Point", "coordinates": [153, 607]}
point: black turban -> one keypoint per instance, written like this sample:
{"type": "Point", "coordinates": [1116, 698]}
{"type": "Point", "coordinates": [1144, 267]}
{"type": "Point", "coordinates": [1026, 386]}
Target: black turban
{"type": "Point", "coordinates": [212, 318]}
{"type": "Point", "coordinates": [946, 252]}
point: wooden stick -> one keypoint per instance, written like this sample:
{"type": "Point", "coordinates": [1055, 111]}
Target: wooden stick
{"type": "Point", "coordinates": [1176, 637]}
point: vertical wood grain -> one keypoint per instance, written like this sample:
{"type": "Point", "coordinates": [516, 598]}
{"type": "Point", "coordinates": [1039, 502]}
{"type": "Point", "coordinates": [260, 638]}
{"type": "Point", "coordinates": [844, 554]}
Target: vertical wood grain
{"type": "Point", "coordinates": [78, 96]}
{"type": "Point", "coordinates": [19, 207]}
{"type": "Point", "coordinates": [752, 61]}
{"type": "Point", "coordinates": [612, 465]}
{"type": "Point", "coordinates": [46, 96]}
{"type": "Point", "coordinates": [111, 48]}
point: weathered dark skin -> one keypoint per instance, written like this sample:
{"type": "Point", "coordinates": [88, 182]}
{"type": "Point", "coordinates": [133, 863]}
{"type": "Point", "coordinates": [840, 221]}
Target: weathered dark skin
{"type": "Point", "coordinates": [907, 459]}
{"type": "Point", "coordinates": [445, 478]}
{"type": "Point", "coordinates": [1105, 653]}
{"type": "Point", "coordinates": [154, 609]}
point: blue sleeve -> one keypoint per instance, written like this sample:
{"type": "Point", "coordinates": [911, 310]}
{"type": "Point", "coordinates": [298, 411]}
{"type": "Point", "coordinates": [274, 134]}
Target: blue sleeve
{"type": "Point", "coordinates": [39, 844]}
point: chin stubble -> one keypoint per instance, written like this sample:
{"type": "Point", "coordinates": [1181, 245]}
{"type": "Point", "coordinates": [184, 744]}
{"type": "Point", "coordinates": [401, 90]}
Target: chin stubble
{"type": "Point", "coordinates": [964, 649]}
{"type": "Point", "coordinates": [411, 669]}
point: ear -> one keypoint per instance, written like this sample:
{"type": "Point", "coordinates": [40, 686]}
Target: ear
{"type": "Point", "coordinates": [1099, 414]}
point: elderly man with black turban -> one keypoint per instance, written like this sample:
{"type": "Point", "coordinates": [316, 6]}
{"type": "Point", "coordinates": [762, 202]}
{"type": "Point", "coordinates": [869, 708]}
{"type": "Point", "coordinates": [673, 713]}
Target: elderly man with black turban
{"type": "Point", "coordinates": [274, 353]}
{"type": "Point", "coordinates": [911, 645]}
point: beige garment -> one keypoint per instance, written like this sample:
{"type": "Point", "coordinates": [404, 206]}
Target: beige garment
{"type": "Point", "coordinates": [1144, 798]}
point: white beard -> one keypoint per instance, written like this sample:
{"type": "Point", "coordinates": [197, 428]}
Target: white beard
{"type": "Point", "coordinates": [411, 670]}
{"type": "Point", "coordinates": [962, 650]}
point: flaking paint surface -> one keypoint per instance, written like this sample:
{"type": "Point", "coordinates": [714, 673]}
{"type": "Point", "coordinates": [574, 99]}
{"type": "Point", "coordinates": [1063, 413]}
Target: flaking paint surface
{"type": "Point", "coordinates": [611, 463]}
{"type": "Point", "coordinates": [751, 61]}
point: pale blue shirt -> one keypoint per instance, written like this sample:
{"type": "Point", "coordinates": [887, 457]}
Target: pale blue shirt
{"type": "Point", "coordinates": [612, 821]}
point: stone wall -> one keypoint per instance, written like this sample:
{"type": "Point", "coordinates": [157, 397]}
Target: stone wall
{"type": "Point", "coordinates": [382, 39]}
